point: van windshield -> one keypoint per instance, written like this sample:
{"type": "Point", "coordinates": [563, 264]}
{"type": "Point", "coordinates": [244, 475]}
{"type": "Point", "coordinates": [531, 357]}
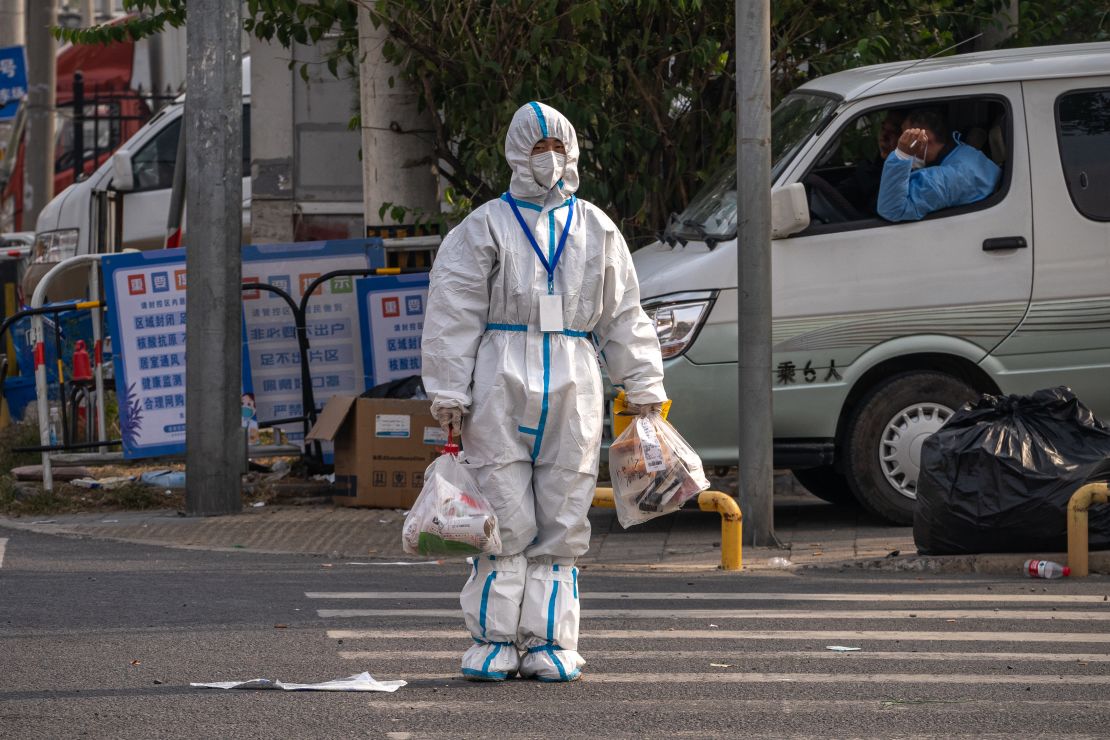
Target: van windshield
{"type": "Point", "coordinates": [712, 212]}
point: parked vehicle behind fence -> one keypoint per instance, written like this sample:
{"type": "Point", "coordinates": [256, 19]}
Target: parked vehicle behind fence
{"type": "Point", "coordinates": [881, 330]}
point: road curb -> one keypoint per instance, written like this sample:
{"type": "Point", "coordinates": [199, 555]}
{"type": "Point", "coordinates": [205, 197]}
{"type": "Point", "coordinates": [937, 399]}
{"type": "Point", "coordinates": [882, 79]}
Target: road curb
{"type": "Point", "coordinates": [996, 564]}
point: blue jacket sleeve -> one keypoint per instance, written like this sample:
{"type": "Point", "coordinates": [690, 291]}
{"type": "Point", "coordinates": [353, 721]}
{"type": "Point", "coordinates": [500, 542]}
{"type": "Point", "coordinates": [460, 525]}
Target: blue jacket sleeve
{"type": "Point", "coordinates": [906, 194]}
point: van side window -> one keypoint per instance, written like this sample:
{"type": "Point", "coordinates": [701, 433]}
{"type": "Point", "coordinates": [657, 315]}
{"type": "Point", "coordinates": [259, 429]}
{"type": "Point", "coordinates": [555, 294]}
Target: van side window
{"type": "Point", "coordinates": [1083, 129]}
{"type": "Point", "coordinates": [153, 165]}
{"type": "Point", "coordinates": [842, 185]}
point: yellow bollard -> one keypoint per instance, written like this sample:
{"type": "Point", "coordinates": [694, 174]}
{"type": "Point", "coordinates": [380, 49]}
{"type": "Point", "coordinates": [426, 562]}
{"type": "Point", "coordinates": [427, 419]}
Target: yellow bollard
{"type": "Point", "coordinates": [723, 504]}
{"type": "Point", "coordinates": [1080, 502]}
{"type": "Point", "coordinates": [732, 525]}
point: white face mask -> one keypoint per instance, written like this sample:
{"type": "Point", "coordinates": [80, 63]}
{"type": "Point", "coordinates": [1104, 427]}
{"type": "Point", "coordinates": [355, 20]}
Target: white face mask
{"type": "Point", "coordinates": [547, 168]}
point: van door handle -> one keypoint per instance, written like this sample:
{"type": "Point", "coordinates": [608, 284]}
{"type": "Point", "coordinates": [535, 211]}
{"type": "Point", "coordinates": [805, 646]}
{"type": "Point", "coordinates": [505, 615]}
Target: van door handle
{"type": "Point", "coordinates": [1004, 242]}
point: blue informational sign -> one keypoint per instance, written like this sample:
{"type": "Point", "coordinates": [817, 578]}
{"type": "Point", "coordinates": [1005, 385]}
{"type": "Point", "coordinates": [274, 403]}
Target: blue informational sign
{"type": "Point", "coordinates": [13, 80]}
{"type": "Point", "coordinates": [391, 309]}
{"type": "Point", "coordinates": [335, 357]}
{"type": "Point", "coordinates": [145, 293]}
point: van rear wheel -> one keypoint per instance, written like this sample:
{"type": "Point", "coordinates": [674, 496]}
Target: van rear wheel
{"type": "Point", "coordinates": [827, 484]}
{"type": "Point", "coordinates": [884, 438]}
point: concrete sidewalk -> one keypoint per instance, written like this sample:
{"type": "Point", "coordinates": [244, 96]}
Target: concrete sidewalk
{"type": "Point", "coordinates": [813, 534]}
{"type": "Point", "coordinates": [685, 539]}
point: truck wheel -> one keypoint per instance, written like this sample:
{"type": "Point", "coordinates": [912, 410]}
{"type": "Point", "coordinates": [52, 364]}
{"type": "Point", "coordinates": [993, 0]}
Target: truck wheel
{"type": "Point", "coordinates": [826, 483]}
{"type": "Point", "coordinates": [884, 437]}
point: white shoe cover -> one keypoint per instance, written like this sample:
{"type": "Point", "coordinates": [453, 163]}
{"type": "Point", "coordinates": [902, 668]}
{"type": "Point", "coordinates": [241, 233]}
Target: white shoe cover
{"type": "Point", "coordinates": [549, 624]}
{"type": "Point", "coordinates": [490, 603]}
{"type": "Point", "coordinates": [490, 661]}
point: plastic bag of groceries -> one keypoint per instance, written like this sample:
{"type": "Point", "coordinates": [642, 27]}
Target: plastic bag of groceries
{"type": "Point", "coordinates": [450, 518]}
{"type": "Point", "coordinates": [654, 471]}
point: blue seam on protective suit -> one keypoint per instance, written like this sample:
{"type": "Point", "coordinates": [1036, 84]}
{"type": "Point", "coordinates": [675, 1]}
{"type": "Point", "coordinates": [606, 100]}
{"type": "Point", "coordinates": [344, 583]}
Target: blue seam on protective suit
{"type": "Point", "coordinates": [485, 601]}
{"type": "Point", "coordinates": [481, 674]}
{"type": "Point", "coordinates": [543, 404]}
{"type": "Point", "coordinates": [532, 206]}
{"type": "Point", "coordinates": [539, 116]}
{"type": "Point", "coordinates": [492, 655]}
{"type": "Point", "coordinates": [551, 606]}
{"type": "Point", "coordinates": [564, 677]}
{"type": "Point", "coordinates": [553, 652]}
{"type": "Point", "coordinates": [574, 575]}
{"type": "Point", "coordinates": [522, 203]}
{"type": "Point", "coordinates": [523, 327]}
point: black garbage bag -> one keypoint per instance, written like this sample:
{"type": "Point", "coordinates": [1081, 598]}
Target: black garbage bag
{"type": "Point", "coordinates": [998, 475]}
{"type": "Point", "coordinates": [410, 387]}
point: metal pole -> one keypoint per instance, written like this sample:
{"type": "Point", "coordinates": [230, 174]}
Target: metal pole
{"type": "Point", "coordinates": [753, 235]}
{"type": "Point", "coordinates": [78, 126]}
{"type": "Point", "coordinates": [98, 354]}
{"type": "Point", "coordinates": [11, 22]}
{"type": "Point", "coordinates": [41, 87]}
{"type": "Point", "coordinates": [213, 344]}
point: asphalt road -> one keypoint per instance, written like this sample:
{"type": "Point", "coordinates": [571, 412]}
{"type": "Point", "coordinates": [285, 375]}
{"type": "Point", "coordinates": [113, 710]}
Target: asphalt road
{"type": "Point", "coordinates": [102, 639]}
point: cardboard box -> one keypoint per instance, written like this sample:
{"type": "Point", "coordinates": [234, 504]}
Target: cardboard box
{"type": "Point", "coordinates": [382, 447]}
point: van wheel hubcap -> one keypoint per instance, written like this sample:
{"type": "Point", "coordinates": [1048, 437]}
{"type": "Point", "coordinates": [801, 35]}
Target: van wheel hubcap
{"type": "Point", "coordinates": [900, 445]}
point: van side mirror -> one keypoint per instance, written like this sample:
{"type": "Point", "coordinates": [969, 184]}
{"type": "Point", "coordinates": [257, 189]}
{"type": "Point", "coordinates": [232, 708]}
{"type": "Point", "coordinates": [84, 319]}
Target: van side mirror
{"type": "Point", "coordinates": [123, 178]}
{"type": "Point", "coordinates": [789, 210]}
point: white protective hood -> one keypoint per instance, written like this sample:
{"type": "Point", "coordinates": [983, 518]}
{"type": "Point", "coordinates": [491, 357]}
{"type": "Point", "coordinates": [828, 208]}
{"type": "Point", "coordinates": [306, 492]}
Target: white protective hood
{"type": "Point", "coordinates": [532, 122]}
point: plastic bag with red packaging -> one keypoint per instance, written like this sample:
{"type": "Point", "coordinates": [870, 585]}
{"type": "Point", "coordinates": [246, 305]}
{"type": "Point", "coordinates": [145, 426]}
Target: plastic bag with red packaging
{"type": "Point", "coordinates": [450, 517]}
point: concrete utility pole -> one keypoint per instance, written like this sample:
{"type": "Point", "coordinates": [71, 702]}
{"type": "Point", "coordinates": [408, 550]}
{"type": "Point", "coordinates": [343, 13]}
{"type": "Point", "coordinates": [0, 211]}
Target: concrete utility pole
{"type": "Point", "coordinates": [88, 13]}
{"type": "Point", "coordinates": [105, 9]}
{"type": "Point", "coordinates": [753, 234]}
{"type": "Point", "coordinates": [38, 173]}
{"type": "Point", "coordinates": [214, 437]}
{"type": "Point", "coordinates": [11, 22]}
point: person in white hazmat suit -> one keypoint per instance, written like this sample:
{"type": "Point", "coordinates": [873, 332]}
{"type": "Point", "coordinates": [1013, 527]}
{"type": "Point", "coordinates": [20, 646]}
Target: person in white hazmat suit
{"type": "Point", "coordinates": [526, 294]}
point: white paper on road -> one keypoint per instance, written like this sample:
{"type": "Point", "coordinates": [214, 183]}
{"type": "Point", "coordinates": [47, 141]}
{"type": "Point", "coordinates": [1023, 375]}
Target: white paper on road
{"type": "Point", "coordinates": [841, 648]}
{"type": "Point", "coordinates": [358, 682]}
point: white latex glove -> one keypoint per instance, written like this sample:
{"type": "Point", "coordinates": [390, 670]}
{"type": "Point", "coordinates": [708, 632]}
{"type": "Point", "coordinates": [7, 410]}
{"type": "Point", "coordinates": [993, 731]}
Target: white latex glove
{"type": "Point", "coordinates": [450, 420]}
{"type": "Point", "coordinates": [647, 409]}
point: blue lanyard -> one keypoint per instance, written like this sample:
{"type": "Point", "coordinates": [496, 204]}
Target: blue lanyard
{"type": "Point", "coordinates": [550, 267]}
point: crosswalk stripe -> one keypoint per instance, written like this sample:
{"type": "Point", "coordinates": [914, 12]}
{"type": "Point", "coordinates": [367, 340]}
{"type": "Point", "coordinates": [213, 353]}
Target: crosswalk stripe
{"type": "Point", "coordinates": [824, 636]}
{"type": "Point", "coordinates": [717, 655]}
{"type": "Point", "coordinates": [3, 547]}
{"type": "Point", "coordinates": [1090, 616]}
{"type": "Point", "coordinates": [762, 596]}
{"type": "Point", "coordinates": [837, 678]}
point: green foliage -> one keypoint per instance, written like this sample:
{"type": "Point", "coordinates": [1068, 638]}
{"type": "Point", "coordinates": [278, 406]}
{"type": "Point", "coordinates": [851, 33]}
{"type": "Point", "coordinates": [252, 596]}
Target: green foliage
{"type": "Point", "coordinates": [649, 84]}
{"type": "Point", "coordinates": [20, 434]}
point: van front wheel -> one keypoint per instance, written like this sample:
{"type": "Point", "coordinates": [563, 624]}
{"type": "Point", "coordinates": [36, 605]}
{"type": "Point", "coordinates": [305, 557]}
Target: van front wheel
{"type": "Point", "coordinates": [883, 443]}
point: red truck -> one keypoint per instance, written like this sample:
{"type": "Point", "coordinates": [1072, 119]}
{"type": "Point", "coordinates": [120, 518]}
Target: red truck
{"type": "Point", "coordinates": [113, 83]}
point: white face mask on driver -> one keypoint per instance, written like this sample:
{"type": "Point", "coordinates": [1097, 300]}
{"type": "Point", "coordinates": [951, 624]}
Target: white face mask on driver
{"type": "Point", "coordinates": [547, 168]}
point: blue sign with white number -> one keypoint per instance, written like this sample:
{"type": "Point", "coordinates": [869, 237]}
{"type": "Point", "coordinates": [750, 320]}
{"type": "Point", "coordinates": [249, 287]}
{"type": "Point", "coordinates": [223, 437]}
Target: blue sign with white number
{"type": "Point", "coordinates": [13, 80]}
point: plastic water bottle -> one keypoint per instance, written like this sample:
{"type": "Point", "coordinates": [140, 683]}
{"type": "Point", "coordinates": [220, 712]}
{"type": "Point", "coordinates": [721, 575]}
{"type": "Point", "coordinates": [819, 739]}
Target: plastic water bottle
{"type": "Point", "coordinates": [55, 426]}
{"type": "Point", "coordinates": [1045, 569]}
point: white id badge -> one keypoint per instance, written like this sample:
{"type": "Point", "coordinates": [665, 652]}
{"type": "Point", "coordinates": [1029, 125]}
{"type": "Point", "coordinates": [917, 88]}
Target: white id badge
{"type": "Point", "coordinates": [551, 313]}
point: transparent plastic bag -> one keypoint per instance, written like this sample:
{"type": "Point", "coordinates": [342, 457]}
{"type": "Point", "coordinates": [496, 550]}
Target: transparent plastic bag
{"type": "Point", "coordinates": [450, 518]}
{"type": "Point", "coordinates": [654, 471]}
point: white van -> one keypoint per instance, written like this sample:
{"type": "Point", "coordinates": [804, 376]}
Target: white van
{"type": "Point", "coordinates": [882, 329]}
{"type": "Point", "coordinates": [140, 175]}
